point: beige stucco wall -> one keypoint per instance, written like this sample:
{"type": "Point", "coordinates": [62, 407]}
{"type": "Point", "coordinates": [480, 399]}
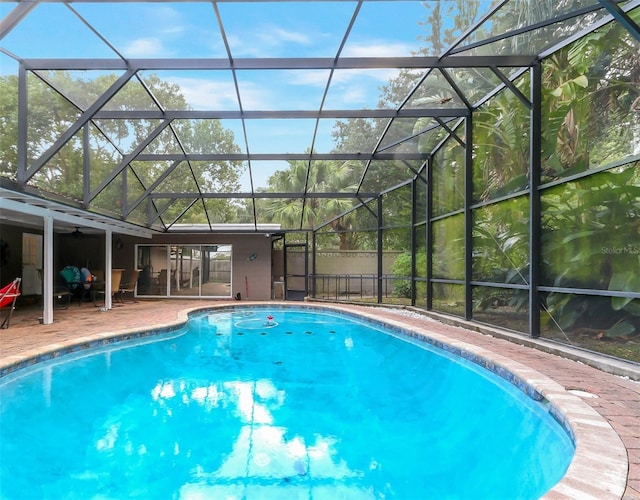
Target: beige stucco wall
{"type": "Point", "coordinates": [338, 263]}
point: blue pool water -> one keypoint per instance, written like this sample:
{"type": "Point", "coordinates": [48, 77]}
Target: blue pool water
{"type": "Point", "coordinates": [306, 404]}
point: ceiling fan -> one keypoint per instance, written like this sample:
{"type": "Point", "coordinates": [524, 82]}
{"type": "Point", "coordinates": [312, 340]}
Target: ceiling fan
{"type": "Point", "coordinates": [77, 234]}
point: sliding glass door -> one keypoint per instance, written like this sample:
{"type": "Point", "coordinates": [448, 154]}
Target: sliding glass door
{"type": "Point", "coordinates": [184, 270]}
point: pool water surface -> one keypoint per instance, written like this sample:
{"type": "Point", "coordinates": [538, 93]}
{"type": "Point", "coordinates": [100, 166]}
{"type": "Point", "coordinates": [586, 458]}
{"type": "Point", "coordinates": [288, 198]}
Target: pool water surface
{"type": "Point", "coordinates": [260, 403]}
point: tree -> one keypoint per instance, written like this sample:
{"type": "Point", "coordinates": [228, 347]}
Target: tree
{"type": "Point", "coordinates": [589, 92]}
{"type": "Point", "coordinates": [323, 177]}
{"type": "Point", "coordinates": [49, 115]}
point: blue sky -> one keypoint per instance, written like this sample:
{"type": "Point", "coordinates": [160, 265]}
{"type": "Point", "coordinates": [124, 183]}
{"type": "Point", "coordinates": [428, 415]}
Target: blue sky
{"type": "Point", "coordinates": [254, 29]}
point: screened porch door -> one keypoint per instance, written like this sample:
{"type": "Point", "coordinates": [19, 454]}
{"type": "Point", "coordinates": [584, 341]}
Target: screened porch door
{"type": "Point", "coordinates": [295, 271]}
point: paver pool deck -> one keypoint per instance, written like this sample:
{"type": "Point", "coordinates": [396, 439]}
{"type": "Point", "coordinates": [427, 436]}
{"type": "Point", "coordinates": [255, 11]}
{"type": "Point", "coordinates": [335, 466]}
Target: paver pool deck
{"type": "Point", "coordinates": [602, 397]}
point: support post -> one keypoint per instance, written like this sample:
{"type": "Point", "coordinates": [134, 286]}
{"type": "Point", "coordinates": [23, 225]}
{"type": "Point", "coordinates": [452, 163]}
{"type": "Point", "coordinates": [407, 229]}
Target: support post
{"type": "Point", "coordinates": [468, 218]}
{"type": "Point", "coordinates": [47, 272]}
{"type": "Point", "coordinates": [313, 264]}
{"type": "Point", "coordinates": [108, 265]}
{"type": "Point", "coordinates": [306, 264]}
{"type": "Point", "coordinates": [380, 281]}
{"type": "Point", "coordinates": [414, 202]}
{"type": "Point", "coordinates": [86, 165]}
{"type": "Point", "coordinates": [22, 125]}
{"type": "Point", "coordinates": [535, 214]}
{"type": "Point", "coordinates": [429, 235]}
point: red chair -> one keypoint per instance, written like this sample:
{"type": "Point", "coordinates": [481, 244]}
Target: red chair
{"type": "Point", "coordinates": [8, 296]}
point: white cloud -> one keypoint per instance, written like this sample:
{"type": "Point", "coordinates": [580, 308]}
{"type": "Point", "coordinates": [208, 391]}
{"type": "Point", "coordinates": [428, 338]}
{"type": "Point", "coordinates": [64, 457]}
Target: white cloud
{"type": "Point", "coordinates": [165, 15]}
{"type": "Point", "coordinates": [210, 94]}
{"type": "Point", "coordinates": [316, 78]}
{"type": "Point", "coordinates": [256, 97]}
{"type": "Point", "coordinates": [145, 47]}
{"type": "Point", "coordinates": [358, 87]}
{"type": "Point", "coordinates": [271, 36]}
{"type": "Point", "coordinates": [163, 27]}
{"type": "Point", "coordinates": [204, 94]}
{"type": "Point", "coordinates": [378, 49]}
{"type": "Point", "coordinates": [174, 30]}
{"type": "Point", "coordinates": [289, 36]}
{"type": "Point", "coordinates": [241, 49]}
{"type": "Point", "coordinates": [357, 75]}
{"type": "Point", "coordinates": [266, 41]}
{"type": "Point", "coordinates": [353, 94]}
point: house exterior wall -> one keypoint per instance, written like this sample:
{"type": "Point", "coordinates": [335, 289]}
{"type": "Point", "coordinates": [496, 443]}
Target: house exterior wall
{"type": "Point", "coordinates": [249, 277]}
{"type": "Point", "coordinates": [10, 253]}
{"type": "Point", "coordinates": [252, 275]}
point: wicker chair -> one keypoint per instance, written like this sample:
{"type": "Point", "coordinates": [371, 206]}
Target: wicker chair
{"type": "Point", "coordinates": [129, 286]}
{"type": "Point", "coordinates": [116, 279]}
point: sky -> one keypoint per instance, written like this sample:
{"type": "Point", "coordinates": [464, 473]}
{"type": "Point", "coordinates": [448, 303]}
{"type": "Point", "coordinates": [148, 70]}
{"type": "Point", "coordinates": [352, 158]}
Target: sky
{"type": "Point", "coordinates": [253, 30]}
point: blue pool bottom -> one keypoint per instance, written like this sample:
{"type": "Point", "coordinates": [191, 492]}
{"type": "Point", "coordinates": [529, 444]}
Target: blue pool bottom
{"type": "Point", "coordinates": [306, 404]}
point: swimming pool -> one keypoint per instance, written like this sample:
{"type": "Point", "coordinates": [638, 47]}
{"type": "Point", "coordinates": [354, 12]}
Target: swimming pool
{"type": "Point", "coordinates": [306, 404]}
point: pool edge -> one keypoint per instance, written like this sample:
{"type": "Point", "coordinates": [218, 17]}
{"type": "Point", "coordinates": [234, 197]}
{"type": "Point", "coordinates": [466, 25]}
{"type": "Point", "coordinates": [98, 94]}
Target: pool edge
{"type": "Point", "coordinates": [598, 469]}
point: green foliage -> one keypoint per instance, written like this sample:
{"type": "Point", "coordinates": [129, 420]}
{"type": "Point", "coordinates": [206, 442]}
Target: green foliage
{"type": "Point", "coordinates": [501, 146]}
{"type": "Point", "coordinates": [448, 247]}
{"type": "Point", "coordinates": [591, 230]}
{"type": "Point", "coordinates": [8, 126]}
{"type": "Point", "coordinates": [588, 93]}
{"type": "Point", "coordinates": [50, 115]}
{"type": "Point", "coordinates": [501, 242]}
{"type": "Point", "coordinates": [321, 177]}
{"type": "Point", "coordinates": [448, 178]}
{"type": "Point", "coordinates": [401, 268]}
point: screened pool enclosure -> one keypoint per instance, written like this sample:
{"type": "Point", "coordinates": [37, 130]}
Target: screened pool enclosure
{"type": "Point", "coordinates": [475, 158]}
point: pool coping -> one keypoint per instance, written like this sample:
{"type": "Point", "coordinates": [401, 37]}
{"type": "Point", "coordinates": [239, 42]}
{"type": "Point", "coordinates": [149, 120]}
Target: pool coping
{"type": "Point", "coordinates": [597, 470]}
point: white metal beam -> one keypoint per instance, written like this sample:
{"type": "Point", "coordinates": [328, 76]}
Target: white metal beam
{"type": "Point", "coordinates": [47, 272]}
{"type": "Point", "coordinates": [28, 205]}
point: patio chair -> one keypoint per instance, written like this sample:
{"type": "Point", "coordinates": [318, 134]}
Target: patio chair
{"type": "Point", "coordinates": [162, 282]}
{"type": "Point", "coordinates": [130, 285]}
{"type": "Point", "coordinates": [63, 295]}
{"type": "Point", "coordinates": [116, 279]}
{"type": "Point", "coordinates": [97, 285]}
{"type": "Point", "coordinates": [8, 296]}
